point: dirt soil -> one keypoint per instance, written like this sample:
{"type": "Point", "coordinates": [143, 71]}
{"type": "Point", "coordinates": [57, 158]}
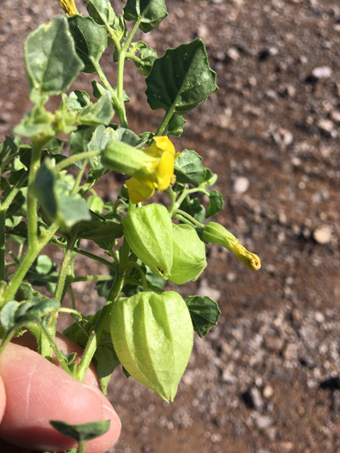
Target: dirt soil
{"type": "Point", "coordinates": [267, 378]}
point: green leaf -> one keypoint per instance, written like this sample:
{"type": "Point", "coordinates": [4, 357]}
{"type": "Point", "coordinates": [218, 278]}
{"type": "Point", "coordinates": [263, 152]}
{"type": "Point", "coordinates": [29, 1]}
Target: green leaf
{"type": "Point", "coordinates": [100, 230]}
{"type": "Point", "coordinates": [77, 100]}
{"type": "Point", "coordinates": [175, 125]}
{"type": "Point", "coordinates": [209, 178]}
{"type": "Point", "coordinates": [96, 114]}
{"type": "Point", "coordinates": [80, 139]}
{"type": "Point", "coordinates": [204, 313]}
{"type": "Point", "coordinates": [147, 56]}
{"type": "Point", "coordinates": [90, 40]}
{"type": "Point", "coordinates": [16, 314]}
{"type": "Point", "coordinates": [105, 360]}
{"type": "Point", "coordinates": [43, 272]}
{"type": "Point", "coordinates": [149, 13]}
{"type": "Point", "coordinates": [55, 199]}
{"type": "Point", "coordinates": [215, 203]}
{"type": "Point", "coordinates": [37, 122]}
{"type": "Point", "coordinates": [44, 188]}
{"type": "Point", "coordinates": [101, 11]}
{"type": "Point", "coordinates": [84, 432]}
{"type": "Point", "coordinates": [52, 63]}
{"type": "Point", "coordinates": [189, 168]}
{"type": "Point", "coordinates": [98, 89]}
{"type": "Point", "coordinates": [73, 210]}
{"type": "Point", "coordinates": [194, 207]}
{"type": "Point", "coordinates": [181, 79]}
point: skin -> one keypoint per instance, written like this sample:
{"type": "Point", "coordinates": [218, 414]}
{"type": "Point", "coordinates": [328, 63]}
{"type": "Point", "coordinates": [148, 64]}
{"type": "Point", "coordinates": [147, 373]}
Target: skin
{"type": "Point", "coordinates": [34, 391]}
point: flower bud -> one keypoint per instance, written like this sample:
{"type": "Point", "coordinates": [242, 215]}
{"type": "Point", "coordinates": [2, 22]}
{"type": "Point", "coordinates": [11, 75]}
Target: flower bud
{"type": "Point", "coordinates": [126, 159]}
{"type": "Point", "coordinates": [188, 255]}
{"type": "Point", "coordinates": [152, 335]}
{"type": "Point", "coordinates": [148, 231]}
{"type": "Point", "coordinates": [216, 233]}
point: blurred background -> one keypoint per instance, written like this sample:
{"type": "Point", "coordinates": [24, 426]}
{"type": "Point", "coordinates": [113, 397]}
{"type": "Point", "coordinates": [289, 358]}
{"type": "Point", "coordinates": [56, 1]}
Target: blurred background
{"type": "Point", "coordinates": [266, 379]}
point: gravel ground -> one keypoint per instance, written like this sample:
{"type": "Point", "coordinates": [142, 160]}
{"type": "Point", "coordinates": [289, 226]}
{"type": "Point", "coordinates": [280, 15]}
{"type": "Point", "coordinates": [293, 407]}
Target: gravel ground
{"type": "Point", "coordinates": [266, 379]}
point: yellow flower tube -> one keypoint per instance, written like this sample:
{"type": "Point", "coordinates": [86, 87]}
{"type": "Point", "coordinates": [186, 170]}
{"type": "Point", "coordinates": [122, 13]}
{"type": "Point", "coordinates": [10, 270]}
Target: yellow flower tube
{"type": "Point", "coordinates": [69, 7]}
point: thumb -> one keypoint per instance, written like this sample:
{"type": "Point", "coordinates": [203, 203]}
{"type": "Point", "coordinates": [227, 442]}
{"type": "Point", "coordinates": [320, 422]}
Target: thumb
{"type": "Point", "coordinates": [38, 391]}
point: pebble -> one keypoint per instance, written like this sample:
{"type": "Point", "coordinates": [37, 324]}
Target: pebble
{"type": "Point", "coordinates": [322, 235]}
{"type": "Point", "coordinates": [273, 343]}
{"type": "Point", "coordinates": [262, 421]}
{"type": "Point", "coordinates": [268, 391]}
{"type": "Point", "coordinates": [326, 125]}
{"type": "Point", "coordinates": [322, 72]}
{"type": "Point", "coordinates": [206, 290]}
{"type": "Point", "coordinates": [241, 184]}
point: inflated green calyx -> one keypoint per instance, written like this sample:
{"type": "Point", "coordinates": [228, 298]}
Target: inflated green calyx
{"type": "Point", "coordinates": [152, 335]}
{"type": "Point", "coordinates": [148, 231]}
{"type": "Point", "coordinates": [188, 255]}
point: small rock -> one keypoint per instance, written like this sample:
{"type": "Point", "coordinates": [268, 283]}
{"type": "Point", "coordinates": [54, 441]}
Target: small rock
{"type": "Point", "coordinates": [322, 72]}
{"type": "Point", "coordinates": [262, 421]}
{"type": "Point", "coordinates": [264, 54]}
{"type": "Point", "coordinates": [252, 398]}
{"type": "Point", "coordinates": [290, 352]}
{"type": "Point", "coordinates": [319, 317]}
{"type": "Point", "coordinates": [273, 343]}
{"type": "Point", "coordinates": [241, 184]}
{"type": "Point", "coordinates": [326, 126]}
{"type": "Point", "coordinates": [206, 290]}
{"type": "Point", "coordinates": [233, 53]}
{"type": "Point", "coordinates": [322, 235]}
{"type": "Point", "coordinates": [335, 114]}
{"type": "Point", "coordinates": [268, 391]}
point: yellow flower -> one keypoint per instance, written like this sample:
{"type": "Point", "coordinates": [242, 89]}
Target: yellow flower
{"type": "Point", "coordinates": [216, 233]}
{"type": "Point", "coordinates": [69, 7]}
{"type": "Point", "coordinates": [142, 187]}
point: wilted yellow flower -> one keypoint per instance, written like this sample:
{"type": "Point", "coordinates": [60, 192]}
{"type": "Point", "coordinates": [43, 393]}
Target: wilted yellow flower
{"type": "Point", "coordinates": [69, 7]}
{"type": "Point", "coordinates": [216, 233]}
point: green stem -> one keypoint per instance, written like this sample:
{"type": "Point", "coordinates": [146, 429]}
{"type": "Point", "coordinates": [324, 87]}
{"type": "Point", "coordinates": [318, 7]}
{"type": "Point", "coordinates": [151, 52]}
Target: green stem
{"type": "Point", "coordinates": [32, 201]}
{"type": "Point", "coordinates": [90, 255]}
{"type": "Point", "coordinates": [81, 446]}
{"type": "Point", "coordinates": [6, 340]}
{"type": "Point", "coordinates": [189, 217]}
{"type": "Point", "coordinates": [131, 35]}
{"type": "Point", "coordinates": [78, 178]}
{"type": "Point", "coordinates": [7, 161]}
{"type": "Point", "coordinates": [118, 103]}
{"type": "Point", "coordinates": [64, 270]}
{"type": "Point", "coordinates": [165, 120]}
{"type": "Point", "coordinates": [2, 244]}
{"type": "Point", "coordinates": [120, 75]}
{"type": "Point", "coordinates": [54, 347]}
{"type": "Point", "coordinates": [31, 254]}
{"type": "Point", "coordinates": [73, 159]}
{"type": "Point", "coordinates": [92, 343]}
{"type": "Point", "coordinates": [142, 274]}
{"type": "Point", "coordinates": [10, 197]}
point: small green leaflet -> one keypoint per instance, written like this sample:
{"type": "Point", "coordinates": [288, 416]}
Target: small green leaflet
{"type": "Point", "coordinates": [149, 13]}
{"type": "Point", "coordinates": [204, 313]}
{"type": "Point", "coordinates": [189, 168]}
{"type": "Point", "coordinates": [84, 432]}
{"type": "Point", "coordinates": [215, 203]}
{"type": "Point", "coordinates": [101, 11]}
